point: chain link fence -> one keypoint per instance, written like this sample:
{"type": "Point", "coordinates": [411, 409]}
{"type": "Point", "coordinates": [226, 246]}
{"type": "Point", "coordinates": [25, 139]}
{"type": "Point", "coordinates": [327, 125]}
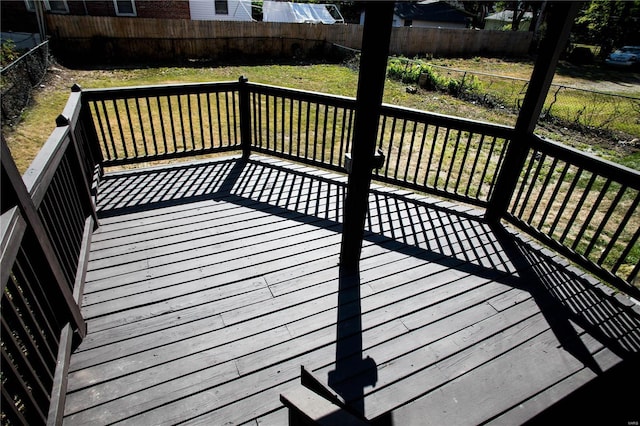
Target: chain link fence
{"type": "Point", "coordinates": [569, 106]}
{"type": "Point", "coordinates": [19, 78]}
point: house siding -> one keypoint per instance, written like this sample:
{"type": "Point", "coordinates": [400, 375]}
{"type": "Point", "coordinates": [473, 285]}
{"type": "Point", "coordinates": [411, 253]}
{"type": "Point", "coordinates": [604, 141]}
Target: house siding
{"type": "Point", "coordinates": [16, 17]}
{"type": "Point", "coordinates": [204, 10]}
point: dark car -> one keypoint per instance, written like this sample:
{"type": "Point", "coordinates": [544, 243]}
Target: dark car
{"type": "Point", "coordinates": [627, 56]}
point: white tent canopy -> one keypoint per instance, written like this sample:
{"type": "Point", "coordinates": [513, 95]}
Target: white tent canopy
{"type": "Point", "coordinates": [275, 11]}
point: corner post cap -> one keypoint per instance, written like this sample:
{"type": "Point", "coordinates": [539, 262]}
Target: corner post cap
{"type": "Point", "coordinates": [243, 79]}
{"type": "Point", "coordinates": [76, 88]}
{"type": "Point", "coordinates": [61, 120]}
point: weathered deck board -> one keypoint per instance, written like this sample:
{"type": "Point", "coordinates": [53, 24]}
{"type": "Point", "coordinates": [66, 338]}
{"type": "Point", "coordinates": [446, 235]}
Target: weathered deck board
{"type": "Point", "coordinates": [210, 284]}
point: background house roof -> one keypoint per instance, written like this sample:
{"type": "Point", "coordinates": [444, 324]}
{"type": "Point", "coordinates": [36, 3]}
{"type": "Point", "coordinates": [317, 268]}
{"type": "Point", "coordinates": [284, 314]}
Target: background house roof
{"type": "Point", "coordinates": [436, 11]}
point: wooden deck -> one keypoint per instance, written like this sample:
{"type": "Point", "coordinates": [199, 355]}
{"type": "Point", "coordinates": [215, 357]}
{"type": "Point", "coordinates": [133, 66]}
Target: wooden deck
{"type": "Point", "coordinates": [211, 284]}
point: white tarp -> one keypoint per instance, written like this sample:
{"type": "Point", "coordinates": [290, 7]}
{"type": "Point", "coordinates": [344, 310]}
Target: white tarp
{"type": "Point", "coordinates": [275, 11]}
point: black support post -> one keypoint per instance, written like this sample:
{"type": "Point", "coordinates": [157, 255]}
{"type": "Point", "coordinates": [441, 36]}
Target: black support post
{"type": "Point", "coordinates": [373, 68]}
{"type": "Point", "coordinates": [559, 22]}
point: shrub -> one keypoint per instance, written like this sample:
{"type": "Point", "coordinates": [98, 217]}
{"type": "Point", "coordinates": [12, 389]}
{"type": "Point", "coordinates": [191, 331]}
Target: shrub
{"type": "Point", "coordinates": [8, 53]}
{"type": "Point", "coordinates": [412, 72]}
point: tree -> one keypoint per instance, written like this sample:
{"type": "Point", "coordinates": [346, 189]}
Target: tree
{"type": "Point", "coordinates": [519, 8]}
{"type": "Point", "coordinates": [609, 24]}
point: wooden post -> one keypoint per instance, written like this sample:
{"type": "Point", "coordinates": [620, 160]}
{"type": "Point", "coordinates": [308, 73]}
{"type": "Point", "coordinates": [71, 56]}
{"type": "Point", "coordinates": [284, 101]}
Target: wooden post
{"type": "Point", "coordinates": [373, 67]}
{"type": "Point", "coordinates": [245, 117]}
{"type": "Point", "coordinates": [560, 20]}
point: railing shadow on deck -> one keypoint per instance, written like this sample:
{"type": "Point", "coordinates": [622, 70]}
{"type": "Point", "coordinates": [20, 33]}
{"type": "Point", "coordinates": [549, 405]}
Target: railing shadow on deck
{"type": "Point", "coordinates": [572, 303]}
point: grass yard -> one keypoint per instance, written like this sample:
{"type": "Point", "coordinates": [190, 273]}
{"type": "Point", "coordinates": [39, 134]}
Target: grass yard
{"type": "Point", "coordinates": [38, 120]}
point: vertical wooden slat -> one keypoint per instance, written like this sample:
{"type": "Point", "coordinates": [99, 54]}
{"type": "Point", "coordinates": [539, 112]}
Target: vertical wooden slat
{"type": "Point", "coordinates": [98, 116]}
{"type": "Point", "coordinates": [620, 227]}
{"type": "Point", "coordinates": [10, 409]}
{"type": "Point", "coordinates": [592, 212]}
{"type": "Point", "coordinates": [24, 364]}
{"type": "Point", "coordinates": [400, 146]}
{"type": "Point", "coordinates": [554, 195]}
{"type": "Point", "coordinates": [291, 133]}
{"type": "Point", "coordinates": [333, 135]}
{"type": "Point", "coordinates": [228, 116]}
{"type": "Point", "coordinates": [120, 129]}
{"type": "Point", "coordinates": [578, 207]}
{"type": "Point", "coordinates": [182, 131]}
{"type": "Point", "coordinates": [298, 132]}
{"type": "Point", "coordinates": [307, 130]}
{"type": "Point", "coordinates": [498, 169]}
{"type": "Point", "coordinates": [623, 256]}
{"type": "Point", "coordinates": [432, 149]}
{"type": "Point", "coordinates": [454, 154]}
{"type": "Point", "coordinates": [108, 124]}
{"type": "Point", "coordinates": [324, 132]}
{"type": "Point", "coordinates": [524, 178]}
{"type": "Point", "coordinates": [420, 152]}
{"type": "Point", "coordinates": [235, 114]}
{"type": "Point", "coordinates": [143, 132]}
{"type": "Point", "coordinates": [441, 158]}
{"type": "Point", "coordinates": [463, 163]}
{"type": "Point", "coordinates": [220, 134]}
{"type": "Point", "coordinates": [131, 129]}
{"type": "Point", "coordinates": [472, 173]}
{"type": "Point", "coordinates": [190, 116]}
{"type": "Point", "coordinates": [172, 124]}
{"type": "Point", "coordinates": [392, 135]}
{"type": "Point", "coordinates": [604, 220]}
{"type": "Point", "coordinates": [209, 116]}
{"type": "Point", "coordinates": [410, 153]}
{"type": "Point", "coordinates": [545, 185]}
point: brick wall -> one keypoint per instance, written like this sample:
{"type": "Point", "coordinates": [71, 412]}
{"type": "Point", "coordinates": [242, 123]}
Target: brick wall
{"type": "Point", "coordinates": [166, 9]}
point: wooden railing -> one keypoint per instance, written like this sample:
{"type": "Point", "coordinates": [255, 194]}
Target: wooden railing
{"type": "Point", "coordinates": [583, 207]}
{"type": "Point", "coordinates": [151, 123]}
{"type": "Point", "coordinates": [309, 127]}
{"type": "Point", "coordinates": [48, 217]}
{"type": "Point", "coordinates": [446, 156]}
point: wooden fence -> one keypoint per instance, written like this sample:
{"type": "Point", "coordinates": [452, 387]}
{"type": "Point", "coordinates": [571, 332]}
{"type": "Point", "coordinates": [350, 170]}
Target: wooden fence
{"type": "Point", "coordinates": [82, 38]}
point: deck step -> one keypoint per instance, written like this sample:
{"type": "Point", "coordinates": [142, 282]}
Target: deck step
{"type": "Point", "coordinates": [307, 408]}
{"type": "Point", "coordinates": [312, 403]}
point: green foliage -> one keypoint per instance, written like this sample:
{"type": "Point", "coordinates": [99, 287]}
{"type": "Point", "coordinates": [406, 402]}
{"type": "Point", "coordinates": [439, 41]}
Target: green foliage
{"type": "Point", "coordinates": [8, 53]}
{"type": "Point", "coordinates": [608, 23]}
{"type": "Point", "coordinates": [409, 71]}
{"type": "Point", "coordinates": [405, 71]}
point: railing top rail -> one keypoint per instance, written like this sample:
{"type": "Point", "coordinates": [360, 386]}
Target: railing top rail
{"type": "Point", "coordinates": [492, 129]}
{"type": "Point", "coordinates": [158, 90]}
{"type": "Point", "coordinates": [41, 170]}
{"type": "Point", "coordinates": [304, 95]}
{"type": "Point", "coordinates": [615, 171]}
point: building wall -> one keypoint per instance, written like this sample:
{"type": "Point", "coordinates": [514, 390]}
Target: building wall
{"type": "Point", "coordinates": [15, 17]}
{"type": "Point", "coordinates": [204, 10]}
